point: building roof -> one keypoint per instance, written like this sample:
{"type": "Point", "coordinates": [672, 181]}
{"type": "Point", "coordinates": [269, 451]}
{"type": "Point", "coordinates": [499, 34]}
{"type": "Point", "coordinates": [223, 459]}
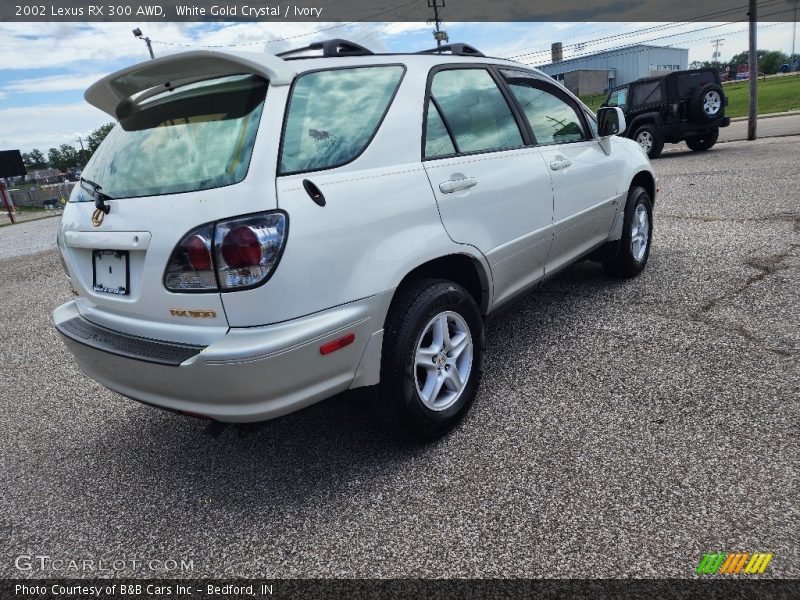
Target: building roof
{"type": "Point", "coordinates": [603, 53]}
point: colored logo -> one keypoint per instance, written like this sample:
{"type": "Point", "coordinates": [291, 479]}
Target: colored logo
{"type": "Point", "coordinates": [734, 563]}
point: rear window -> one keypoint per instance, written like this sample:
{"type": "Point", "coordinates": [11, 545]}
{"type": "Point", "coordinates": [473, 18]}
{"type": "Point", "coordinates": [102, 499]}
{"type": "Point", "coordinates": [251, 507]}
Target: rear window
{"type": "Point", "coordinates": [334, 114]}
{"type": "Point", "coordinates": [688, 83]}
{"type": "Point", "coordinates": [197, 137]}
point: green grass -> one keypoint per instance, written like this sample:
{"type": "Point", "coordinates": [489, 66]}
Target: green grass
{"type": "Point", "coordinates": [775, 94]}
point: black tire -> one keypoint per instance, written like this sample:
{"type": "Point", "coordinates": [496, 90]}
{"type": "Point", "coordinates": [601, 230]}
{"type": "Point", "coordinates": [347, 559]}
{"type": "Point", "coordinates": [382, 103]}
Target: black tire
{"type": "Point", "coordinates": [700, 143]}
{"type": "Point", "coordinates": [618, 259]}
{"type": "Point", "coordinates": [656, 142]}
{"type": "Point", "coordinates": [698, 102]}
{"type": "Point", "coordinates": [413, 308]}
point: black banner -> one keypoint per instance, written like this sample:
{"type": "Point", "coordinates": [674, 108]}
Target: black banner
{"type": "Point", "coordinates": [11, 163]}
{"type": "Point", "coordinates": [392, 10]}
{"type": "Point", "coordinates": [403, 589]}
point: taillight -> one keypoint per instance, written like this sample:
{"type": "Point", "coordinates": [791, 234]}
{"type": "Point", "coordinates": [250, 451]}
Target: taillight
{"type": "Point", "coordinates": [248, 249]}
{"type": "Point", "coordinates": [239, 253]}
{"type": "Point", "coordinates": [191, 268]}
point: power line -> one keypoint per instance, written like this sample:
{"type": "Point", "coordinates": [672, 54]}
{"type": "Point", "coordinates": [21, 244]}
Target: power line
{"type": "Point", "coordinates": [639, 42]}
{"type": "Point", "coordinates": [634, 49]}
{"type": "Point", "coordinates": [654, 28]}
{"type": "Point", "coordinates": [290, 37]}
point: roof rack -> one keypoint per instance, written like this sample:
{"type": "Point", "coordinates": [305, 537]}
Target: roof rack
{"type": "Point", "coordinates": [456, 50]}
{"type": "Point", "coordinates": [330, 48]}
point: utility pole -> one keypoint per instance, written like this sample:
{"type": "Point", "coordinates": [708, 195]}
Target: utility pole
{"type": "Point", "coordinates": [83, 152]}
{"type": "Point", "coordinates": [752, 120]}
{"type": "Point", "coordinates": [792, 60]}
{"type": "Point", "coordinates": [138, 33]}
{"type": "Point", "coordinates": [717, 43]}
{"type": "Point", "coordinates": [439, 35]}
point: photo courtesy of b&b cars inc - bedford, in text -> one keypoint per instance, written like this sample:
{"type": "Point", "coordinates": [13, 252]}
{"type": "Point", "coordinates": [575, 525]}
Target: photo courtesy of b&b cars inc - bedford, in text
{"type": "Point", "coordinates": [400, 299]}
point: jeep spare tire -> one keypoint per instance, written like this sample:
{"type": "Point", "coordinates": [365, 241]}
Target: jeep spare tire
{"type": "Point", "coordinates": [707, 102]}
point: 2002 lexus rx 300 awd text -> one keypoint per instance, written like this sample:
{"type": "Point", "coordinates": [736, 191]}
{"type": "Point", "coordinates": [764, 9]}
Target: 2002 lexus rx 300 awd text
{"type": "Point", "coordinates": [261, 232]}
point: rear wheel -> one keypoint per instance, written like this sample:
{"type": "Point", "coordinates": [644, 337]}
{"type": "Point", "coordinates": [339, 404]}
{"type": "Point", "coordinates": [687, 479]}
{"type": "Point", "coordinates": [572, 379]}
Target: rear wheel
{"type": "Point", "coordinates": [432, 357]}
{"type": "Point", "coordinates": [647, 137]}
{"type": "Point", "coordinates": [703, 142]}
{"type": "Point", "coordinates": [628, 257]}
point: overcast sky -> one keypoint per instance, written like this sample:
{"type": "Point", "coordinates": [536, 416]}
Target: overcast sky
{"type": "Point", "coordinates": [45, 67]}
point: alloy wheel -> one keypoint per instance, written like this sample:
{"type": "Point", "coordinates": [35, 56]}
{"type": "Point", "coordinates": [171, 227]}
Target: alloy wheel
{"type": "Point", "coordinates": [712, 102]}
{"type": "Point", "coordinates": [640, 232]}
{"type": "Point", "coordinates": [443, 360]}
{"type": "Point", "coordinates": [645, 140]}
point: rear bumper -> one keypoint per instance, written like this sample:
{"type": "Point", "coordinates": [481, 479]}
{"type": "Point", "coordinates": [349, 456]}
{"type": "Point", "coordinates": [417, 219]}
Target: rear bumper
{"type": "Point", "coordinates": [248, 374]}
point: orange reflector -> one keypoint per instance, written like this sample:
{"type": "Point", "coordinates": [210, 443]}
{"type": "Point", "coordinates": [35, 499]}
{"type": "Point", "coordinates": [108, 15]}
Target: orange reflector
{"type": "Point", "coordinates": [337, 344]}
{"type": "Point", "coordinates": [195, 415]}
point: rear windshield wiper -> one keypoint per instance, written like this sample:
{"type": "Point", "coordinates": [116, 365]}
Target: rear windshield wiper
{"type": "Point", "coordinates": [96, 187]}
{"type": "Point", "coordinates": [99, 197]}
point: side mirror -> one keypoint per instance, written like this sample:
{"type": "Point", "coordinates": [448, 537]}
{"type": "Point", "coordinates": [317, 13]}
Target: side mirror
{"type": "Point", "coordinates": [610, 121]}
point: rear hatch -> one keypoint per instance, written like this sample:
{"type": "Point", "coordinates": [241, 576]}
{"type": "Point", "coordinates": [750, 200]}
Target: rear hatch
{"type": "Point", "coordinates": [180, 157]}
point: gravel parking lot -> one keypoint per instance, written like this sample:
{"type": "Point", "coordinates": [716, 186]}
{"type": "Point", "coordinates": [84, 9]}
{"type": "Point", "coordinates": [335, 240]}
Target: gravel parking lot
{"type": "Point", "coordinates": [623, 429]}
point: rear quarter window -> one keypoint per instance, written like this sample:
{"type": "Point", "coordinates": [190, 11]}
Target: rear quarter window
{"type": "Point", "coordinates": [334, 114]}
{"type": "Point", "coordinates": [646, 93]}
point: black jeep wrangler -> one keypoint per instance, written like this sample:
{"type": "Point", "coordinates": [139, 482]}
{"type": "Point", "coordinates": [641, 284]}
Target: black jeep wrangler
{"type": "Point", "coordinates": [680, 106]}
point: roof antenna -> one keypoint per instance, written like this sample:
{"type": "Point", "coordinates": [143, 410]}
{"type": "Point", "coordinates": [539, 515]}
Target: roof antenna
{"type": "Point", "coordinates": [438, 34]}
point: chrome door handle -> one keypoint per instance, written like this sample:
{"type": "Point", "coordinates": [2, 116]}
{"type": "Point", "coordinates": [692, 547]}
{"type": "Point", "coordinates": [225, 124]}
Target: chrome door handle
{"type": "Point", "coordinates": [457, 185]}
{"type": "Point", "coordinates": [560, 163]}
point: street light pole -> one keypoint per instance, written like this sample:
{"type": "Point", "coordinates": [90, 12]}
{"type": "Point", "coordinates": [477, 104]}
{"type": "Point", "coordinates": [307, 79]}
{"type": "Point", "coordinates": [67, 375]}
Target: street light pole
{"type": "Point", "coordinates": [138, 33]}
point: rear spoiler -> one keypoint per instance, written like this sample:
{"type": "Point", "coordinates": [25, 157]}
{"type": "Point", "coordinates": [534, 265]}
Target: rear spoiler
{"type": "Point", "coordinates": [113, 94]}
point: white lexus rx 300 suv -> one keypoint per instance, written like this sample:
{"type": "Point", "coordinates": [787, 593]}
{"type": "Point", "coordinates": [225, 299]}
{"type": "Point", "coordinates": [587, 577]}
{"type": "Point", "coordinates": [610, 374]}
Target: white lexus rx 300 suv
{"type": "Point", "coordinates": [261, 232]}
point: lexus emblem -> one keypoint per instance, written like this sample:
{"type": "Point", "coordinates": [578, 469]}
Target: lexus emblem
{"type": "Point", "coordinates": [97, 217]}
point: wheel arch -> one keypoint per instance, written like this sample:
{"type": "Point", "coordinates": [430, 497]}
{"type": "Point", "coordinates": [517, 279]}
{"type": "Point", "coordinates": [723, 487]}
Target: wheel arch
{"type": "Point", "coordinates": [638, 121]}
{"type": "Point", "coordinates": [463, 269]}
{"type": "Point", "coordinates": [647, 180]}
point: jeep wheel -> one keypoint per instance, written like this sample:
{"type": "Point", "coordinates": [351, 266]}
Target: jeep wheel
{"type": "Point", "coordinates": [707, 102]}
{"type": "Point", "coordinates": [432, 357]}
{"type": "Point", "coordinates": [628, 257]}
{"type": "Point", "coordinates": [647, 137]}
{"type": "Point", "coordinates": [703, 142]}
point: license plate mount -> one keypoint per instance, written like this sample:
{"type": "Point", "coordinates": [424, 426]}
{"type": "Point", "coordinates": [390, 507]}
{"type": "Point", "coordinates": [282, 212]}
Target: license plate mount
{"type": "Point", "coordinates": [111, 272]}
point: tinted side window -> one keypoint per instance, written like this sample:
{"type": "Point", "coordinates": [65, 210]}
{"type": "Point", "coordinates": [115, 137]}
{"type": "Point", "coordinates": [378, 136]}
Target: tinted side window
{"type": "Point", "coordinates": [552, 119]}
{"type": "Point", "coordinates": [437, 140]}
{"type": "Point", "coordinates": [475, 109]}
{"type": "Point", "coordinates": [333, 115]}
{"type": "Point", "coordinates": [646, 93]}
{"type": "Point", "coordinates": [618, 98]}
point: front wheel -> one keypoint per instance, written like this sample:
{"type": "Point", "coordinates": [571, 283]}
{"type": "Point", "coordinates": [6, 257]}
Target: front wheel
{"type": "Point", "coordinates": [648, 138]}
{"type": "Point", "coordinates": [432, 357]}
{"type": "Point", "coordinates": [630, 255]}
{"type": "Point", "coordinates": [700, 143]}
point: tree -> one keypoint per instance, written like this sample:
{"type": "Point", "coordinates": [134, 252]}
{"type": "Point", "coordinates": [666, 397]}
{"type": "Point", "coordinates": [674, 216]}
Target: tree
{"type": "Point", "coordinates": [769, 61]}
{"type": "Point", "coordinates": [34, 160]}
{"type": "Point", "coordinates": [63, 157]}
{"type": "Point", "coordinates": [97, 136]}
